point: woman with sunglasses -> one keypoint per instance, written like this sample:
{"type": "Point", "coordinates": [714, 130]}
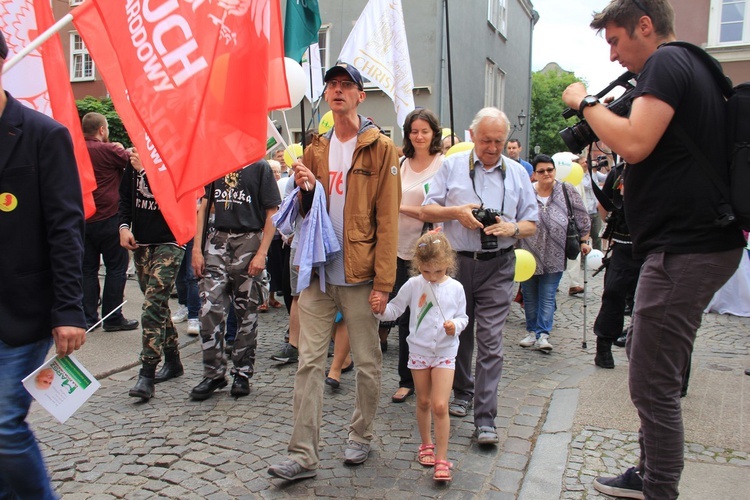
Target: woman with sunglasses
{"type": "Point", "coordinates": [548, 248]}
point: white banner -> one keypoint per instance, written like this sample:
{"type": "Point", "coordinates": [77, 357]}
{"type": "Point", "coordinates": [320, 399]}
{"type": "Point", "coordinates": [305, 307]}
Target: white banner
{"type": "Point", "coordinates": [377, 48]}
{"type": "Point", "coordinates": [313, 53]}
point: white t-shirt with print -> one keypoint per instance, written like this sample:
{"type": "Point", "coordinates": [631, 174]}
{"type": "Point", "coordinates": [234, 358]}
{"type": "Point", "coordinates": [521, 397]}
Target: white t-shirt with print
{"type": "Point", "coordinates": [340, 156]}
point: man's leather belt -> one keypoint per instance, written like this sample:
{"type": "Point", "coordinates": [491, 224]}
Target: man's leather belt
{"type": "Point", "coordinates": [237, 231]}
{"type": "Point", "coordinates": [485, 255]}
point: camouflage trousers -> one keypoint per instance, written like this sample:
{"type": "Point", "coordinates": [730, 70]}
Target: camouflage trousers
{"type": "Point", "coordinates": [156, 267]}
{"type": "Point", "coordinates": [226, 280]}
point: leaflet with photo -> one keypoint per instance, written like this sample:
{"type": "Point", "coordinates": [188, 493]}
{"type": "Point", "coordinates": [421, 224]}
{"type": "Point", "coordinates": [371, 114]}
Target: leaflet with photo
{"type": "Point", "coordinates": [61, 386]}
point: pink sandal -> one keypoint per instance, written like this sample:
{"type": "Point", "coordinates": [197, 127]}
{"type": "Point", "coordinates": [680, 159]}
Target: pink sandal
{"type": "Point", "coordinates": [426, 455]}
{"type": "Point", "coordinates": [443, 471]}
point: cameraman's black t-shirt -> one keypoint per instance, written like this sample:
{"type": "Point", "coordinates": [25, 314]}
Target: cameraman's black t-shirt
{"type": "Point", "coordinates": [670, 204]}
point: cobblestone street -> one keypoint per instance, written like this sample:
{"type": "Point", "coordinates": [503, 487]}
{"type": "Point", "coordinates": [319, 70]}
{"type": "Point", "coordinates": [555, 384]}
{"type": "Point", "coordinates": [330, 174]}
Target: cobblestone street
{"type": "Point", "coordinates": [561, 422]}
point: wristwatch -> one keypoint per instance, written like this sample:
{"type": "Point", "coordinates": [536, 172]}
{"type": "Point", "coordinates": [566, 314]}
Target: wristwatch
{"type": "Point", "coordinates": [589, 100]}
{"type": "Point", "coordinates": [517, 232]}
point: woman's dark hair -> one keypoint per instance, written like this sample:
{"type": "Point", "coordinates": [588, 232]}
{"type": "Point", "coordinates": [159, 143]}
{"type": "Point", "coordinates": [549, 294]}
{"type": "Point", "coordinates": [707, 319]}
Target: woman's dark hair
{"type": "Point", "coordinates": [542, 159]}
{"type": "Point", "coordinates": [436, 146]}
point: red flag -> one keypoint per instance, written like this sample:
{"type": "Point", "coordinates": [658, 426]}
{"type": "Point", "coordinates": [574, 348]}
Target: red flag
{"type": "Point", "coordinates": [179, 215]}
{"type": "Point", "coordinates": [40, 80]}
{"type": "Point", "coordinates": [196, 73]}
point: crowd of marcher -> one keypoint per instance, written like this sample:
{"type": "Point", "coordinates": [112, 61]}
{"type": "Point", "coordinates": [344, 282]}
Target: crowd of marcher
{"type": "Point", "coordinates": [357, 236]}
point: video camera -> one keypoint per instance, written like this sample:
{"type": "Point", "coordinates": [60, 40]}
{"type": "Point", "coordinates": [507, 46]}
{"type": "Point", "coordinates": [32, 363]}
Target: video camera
{"type": "Point", "coordinates": [580, 135]}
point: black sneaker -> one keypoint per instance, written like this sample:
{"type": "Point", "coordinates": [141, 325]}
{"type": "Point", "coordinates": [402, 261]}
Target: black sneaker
{"type": "Point", "coordinates": [626, 485]}
{"type": "Point", "coordinates": [287, 354]}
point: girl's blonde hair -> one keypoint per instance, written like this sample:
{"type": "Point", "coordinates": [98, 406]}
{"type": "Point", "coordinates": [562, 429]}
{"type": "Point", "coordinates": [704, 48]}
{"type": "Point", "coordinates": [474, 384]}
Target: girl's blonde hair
{"type": "Point", "coordinates": [433, 248]}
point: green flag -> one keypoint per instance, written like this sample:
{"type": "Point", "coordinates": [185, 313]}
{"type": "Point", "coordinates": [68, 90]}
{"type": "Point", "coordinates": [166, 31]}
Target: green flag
{"type": "Point", "coordinates": [300, 27]}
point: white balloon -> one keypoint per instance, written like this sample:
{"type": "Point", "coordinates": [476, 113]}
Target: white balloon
{"type": "Point", "coordinates": [594, 259]}
{"type": "Point", "coordinates": [296, 81]}
{"type": "Point", "coordinates": [563, 164]}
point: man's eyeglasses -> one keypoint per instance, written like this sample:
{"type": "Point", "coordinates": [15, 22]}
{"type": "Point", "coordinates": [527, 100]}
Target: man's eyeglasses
{"type": "Point", "coordinates": [345, 84]}
{"type": "Point", "coordinates": [545, 170]}
{"type": "Point", "coordinates": [640, 6]}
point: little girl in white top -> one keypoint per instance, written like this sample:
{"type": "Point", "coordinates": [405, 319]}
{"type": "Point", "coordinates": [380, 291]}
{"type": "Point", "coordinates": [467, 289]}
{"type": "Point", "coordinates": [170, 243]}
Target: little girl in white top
{"type": "Point", "coordinates": [438, 314]}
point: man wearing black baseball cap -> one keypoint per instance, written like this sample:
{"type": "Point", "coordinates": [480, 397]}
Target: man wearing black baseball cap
{"type": "Point", "coordinates": [41, 293]}
{"type": "Point", "coordinates": [352, 170]}
{"type": "Point", "coordinates": [343, 68]}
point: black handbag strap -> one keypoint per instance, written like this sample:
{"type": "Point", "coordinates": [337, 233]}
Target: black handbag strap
{"type": "Point", "coordinates": [567, 201]}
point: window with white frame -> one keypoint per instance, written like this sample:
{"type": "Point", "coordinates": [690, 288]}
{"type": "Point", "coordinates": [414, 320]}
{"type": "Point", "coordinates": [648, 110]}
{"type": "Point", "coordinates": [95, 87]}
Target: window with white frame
{"type": "Point", "coordinates": [494, 85]}
{"type": "Point", "coordinates": [324, 35]}
{"type": "Point", "coordinates": [729, 22]}
{"type": "Point", "coordinates": [497, 15]}
{"type": "Point", "coordinates": [81, 64]}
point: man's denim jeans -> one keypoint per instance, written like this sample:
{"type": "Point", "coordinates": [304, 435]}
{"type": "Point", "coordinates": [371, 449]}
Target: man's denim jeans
{"type": "Point", "coordinates": [22, 471]}
{"type": "Point", "coordinates": [539, 302]}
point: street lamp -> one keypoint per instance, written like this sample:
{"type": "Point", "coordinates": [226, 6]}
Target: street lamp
{"type": "Point", "coordinates": [521, 123]}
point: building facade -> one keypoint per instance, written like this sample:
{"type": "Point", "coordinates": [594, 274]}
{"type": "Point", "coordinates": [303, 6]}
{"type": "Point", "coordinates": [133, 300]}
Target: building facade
{"type": "Point", "coordinates": [722, 27]}
{"type": "Point", "coordinates": [490, 44]}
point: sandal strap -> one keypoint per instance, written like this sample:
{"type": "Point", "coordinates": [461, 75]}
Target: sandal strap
{"type": "Point", "coordinates": [425, 447]}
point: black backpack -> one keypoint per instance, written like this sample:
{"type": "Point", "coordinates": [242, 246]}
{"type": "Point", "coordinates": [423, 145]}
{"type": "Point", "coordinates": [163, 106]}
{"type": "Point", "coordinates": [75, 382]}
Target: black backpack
{"type": "Point", "coordinates": [737, 201]}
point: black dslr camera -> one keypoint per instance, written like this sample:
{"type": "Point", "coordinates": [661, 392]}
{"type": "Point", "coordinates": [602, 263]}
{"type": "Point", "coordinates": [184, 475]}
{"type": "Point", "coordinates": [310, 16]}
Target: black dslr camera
{"type": "Point", "coordinates": [600, 162]}
{"type": "Point", "coordinates": [580, 135]}
{"type": "Point", "coordinates": [487, 216]}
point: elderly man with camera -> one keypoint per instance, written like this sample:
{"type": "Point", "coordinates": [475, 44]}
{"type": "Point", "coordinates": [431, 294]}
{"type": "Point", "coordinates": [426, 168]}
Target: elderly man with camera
{"type": "Point", "coordinates": [486, 203]}
{"type": "Point", "coordinates": [675, 220]}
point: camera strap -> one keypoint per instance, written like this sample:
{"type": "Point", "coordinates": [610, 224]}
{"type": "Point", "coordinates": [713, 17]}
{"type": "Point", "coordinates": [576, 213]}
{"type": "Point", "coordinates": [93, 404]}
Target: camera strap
{"type": "Point", "coordinates": [608, 204]}
{"type": "Point", "coordinates": [474, 187]}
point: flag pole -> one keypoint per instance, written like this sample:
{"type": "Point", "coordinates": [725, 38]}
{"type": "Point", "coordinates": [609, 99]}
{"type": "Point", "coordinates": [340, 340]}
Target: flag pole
{"type": "Point", "coordinates": [65, 20]}
{"type": "Point", "coordinates": [302, 102]}
{"type": "Point", "coordinates": [450, 74]}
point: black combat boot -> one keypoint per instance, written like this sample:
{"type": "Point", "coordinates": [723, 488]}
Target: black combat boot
{"type": "Point", "coordinates": [603, 358]}
{"type": "Point", "coordinates": [171, 368]}
{"type": "Point", "coordinates": [144, 387]}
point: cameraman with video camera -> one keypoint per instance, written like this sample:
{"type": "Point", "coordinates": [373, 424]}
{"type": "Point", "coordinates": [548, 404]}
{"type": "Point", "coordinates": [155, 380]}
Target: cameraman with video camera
{"type": "Point", "coordinates": [487, 204]}
{"type": "Point", "coordinates": [674, 217]}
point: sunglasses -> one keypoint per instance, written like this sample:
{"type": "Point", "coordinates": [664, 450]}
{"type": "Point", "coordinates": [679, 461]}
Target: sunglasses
{"type": "Point", "coordinates": [545, 170]}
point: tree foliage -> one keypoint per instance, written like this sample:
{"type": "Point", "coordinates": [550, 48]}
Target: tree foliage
{"type": "Point", "coordinates": [117, 132]}
{"type": "Point", "coordinates": [546, 110]}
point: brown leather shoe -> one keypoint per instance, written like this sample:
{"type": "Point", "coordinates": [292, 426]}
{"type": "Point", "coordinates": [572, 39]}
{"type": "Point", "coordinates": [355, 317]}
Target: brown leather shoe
{"type": "Point", "coordinates": [575, 290]}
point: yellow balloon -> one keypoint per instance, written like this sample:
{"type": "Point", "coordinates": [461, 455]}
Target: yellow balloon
{"type": "Point", "coordinates": [446, 133]}
{"type": "Point", "coordinates": [289, 157]}
{"type": "Point", "coordinates": [576, 174]}
{"type": "Point", "coordinates": [326, 123]}
{"type": "Point", "coordinates": [457, 148]}
{"type": "Point", "coordinates": [525, 265]}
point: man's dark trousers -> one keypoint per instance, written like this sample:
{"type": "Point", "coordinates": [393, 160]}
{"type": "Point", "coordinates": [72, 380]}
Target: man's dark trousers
{"type": "Point", "coordinates": [103, 238]}
{"type": "Point", "coordinates": [619, 282]}
{"type": "Point", "coordinates": [673, 290]}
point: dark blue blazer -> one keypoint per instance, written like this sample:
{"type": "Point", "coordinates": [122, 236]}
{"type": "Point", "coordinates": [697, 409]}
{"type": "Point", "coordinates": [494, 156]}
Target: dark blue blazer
{"type": "Point", "coordinates": [41, 227]}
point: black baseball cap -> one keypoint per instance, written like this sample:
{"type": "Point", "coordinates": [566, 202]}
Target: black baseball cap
{"type": "Point", "coordinates": [343, 68]}
{"type": "Point", "coordinates": [3, 47]}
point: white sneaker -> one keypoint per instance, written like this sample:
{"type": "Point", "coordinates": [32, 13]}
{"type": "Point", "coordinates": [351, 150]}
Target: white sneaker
{"type": "Point", "coordinates": [181, 315]}
{"type": "Point", "coordinates": [528, 341]}
{"type": "Point", "coordinates": [543, 343]}
{"type": "Point", "coordinates": [194, 326]}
